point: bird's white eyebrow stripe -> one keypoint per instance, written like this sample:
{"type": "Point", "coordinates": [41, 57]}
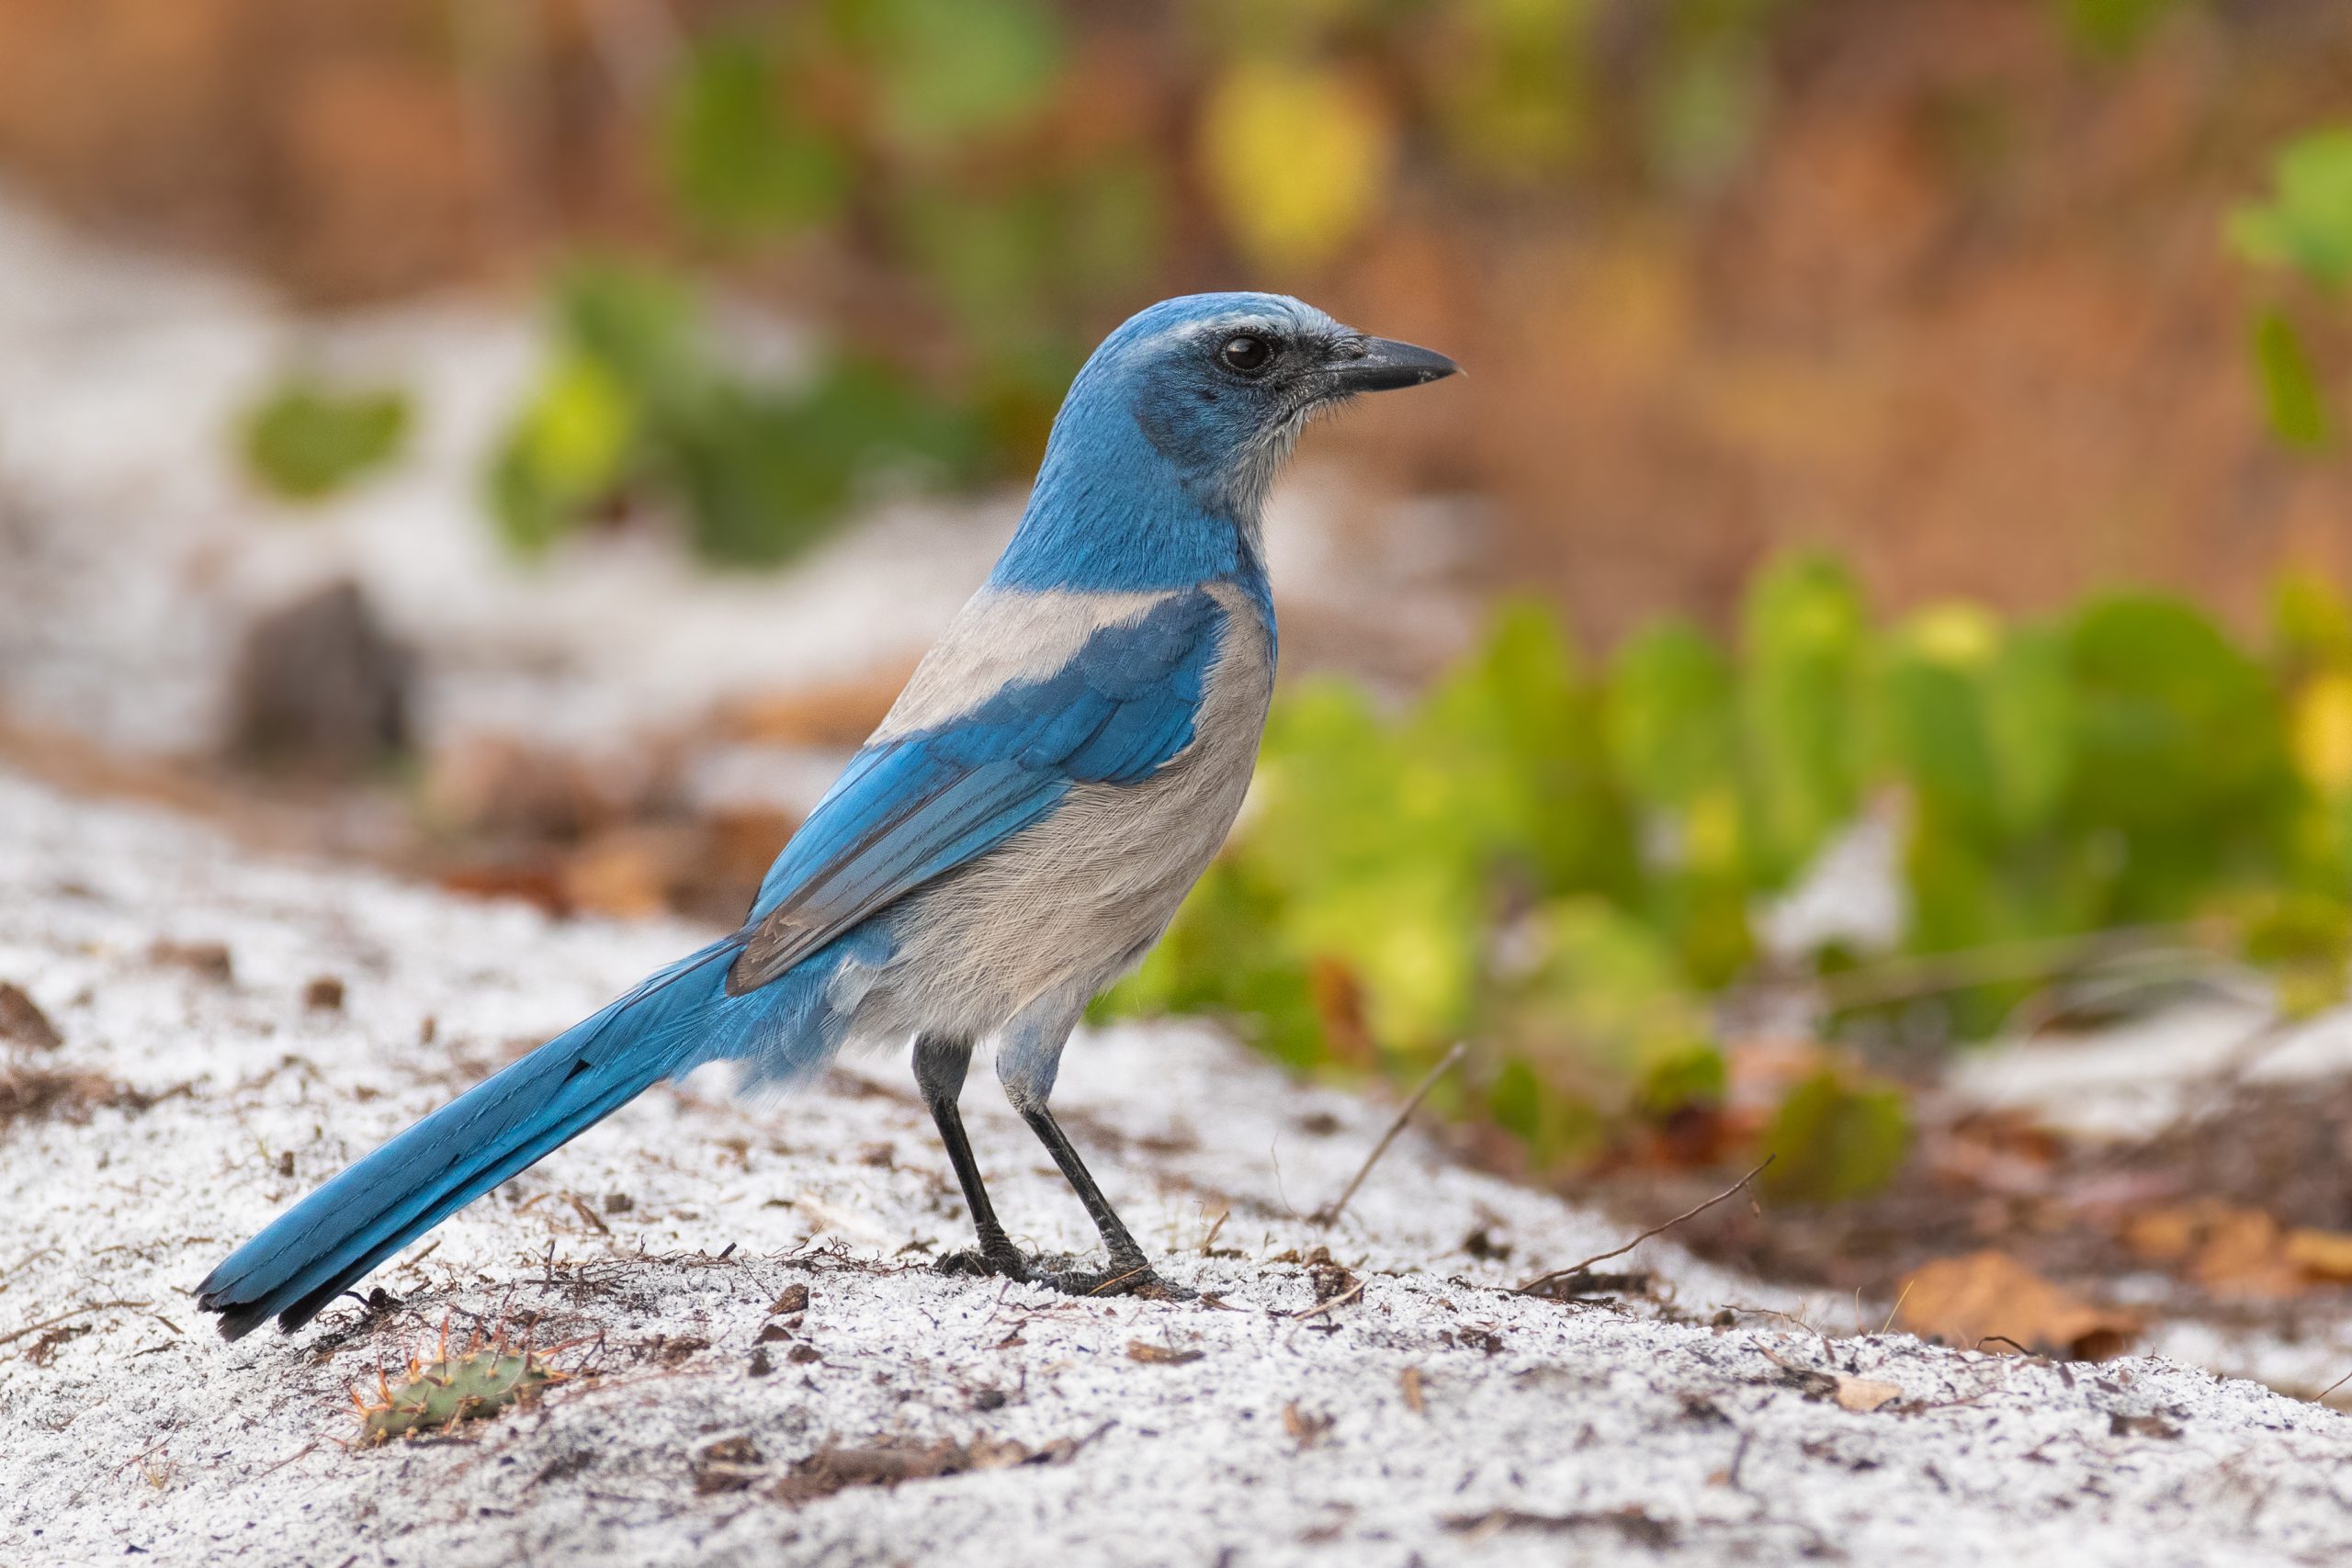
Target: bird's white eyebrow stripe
{"type": "Point", "coordinates": [1239, 321]}
{"type": "Point", "coordinates": [1005, 636]}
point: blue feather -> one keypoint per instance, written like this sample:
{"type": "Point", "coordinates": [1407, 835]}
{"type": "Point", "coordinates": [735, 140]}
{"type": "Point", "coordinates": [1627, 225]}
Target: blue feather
{"type": "Point", "coordinates": [914, 807]}
{"type": "Point", "coordinates": [668, 1025]}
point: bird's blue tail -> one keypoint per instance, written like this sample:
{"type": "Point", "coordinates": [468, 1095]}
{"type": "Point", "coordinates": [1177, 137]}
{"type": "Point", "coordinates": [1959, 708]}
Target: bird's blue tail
{"type": "Point", "coordinates": [673, 1022]}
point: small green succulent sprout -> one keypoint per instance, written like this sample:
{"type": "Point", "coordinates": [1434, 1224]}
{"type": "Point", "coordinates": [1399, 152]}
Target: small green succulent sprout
{"type": "Point", "coordinates": [443, 1393]}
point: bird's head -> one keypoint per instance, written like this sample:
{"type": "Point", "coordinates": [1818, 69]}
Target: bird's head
{"type": "Point", "coordinates": [1181, 419]}
{"type": "Point", "coordinates": [1221, 384]}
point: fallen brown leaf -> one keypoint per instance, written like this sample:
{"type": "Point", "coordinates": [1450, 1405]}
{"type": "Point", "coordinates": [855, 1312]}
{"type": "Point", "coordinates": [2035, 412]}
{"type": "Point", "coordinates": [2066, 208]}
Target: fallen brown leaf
{"type": "Point", "coordinates": [839, 714]}
{"type": "Point", "coordinates": [2322, 1255]}
{"type": "Point", "coordinates": [2166, 1234]}
{"type": "Point", "coordinates": [624, 872]}
{"type": "Point", "coordinates": [1329, 1279]}
{"type": "Point", "coordinates": [24, 1022]}
{"type": "Point", "coordinates": [539, 883]}
{"type": "Point", "coordinates": [209, 959]}
{"type": "Point", "coordinates": [896, 1460]}
{"type": "Point", "coordinates": [1863, 1395]}
{"type": "Point", "coordinates": [1860, 1395]}
{"type": "Point", "coordinates": [2228, 1249]}
{"type": "Point", "coordinates": [730, 1464]}
{"type": "Point", "coordinates": [30, 1094]}
{"type": "Point", "coordinates": [1306, 1427]}
{"type": "Point", "coordinates": [1631, 1525]}
{"type": "Point", "coordinates": [1989, 1296]}
{"type": "Point", "coordinates": [1159, 1355]}
{"type": "Point", "coordinates": [2244, 1253]}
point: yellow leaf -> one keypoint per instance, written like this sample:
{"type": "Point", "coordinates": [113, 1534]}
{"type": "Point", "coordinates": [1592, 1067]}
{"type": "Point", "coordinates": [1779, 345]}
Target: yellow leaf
{"type": "Point", "coordinates": [1960, 636]}
{"type": "Point", "coordinates": [576, 431]}
{"type": "Point", "coordinates": [2324, 732]}
{"type": "Point", "coordinates": [1296, 159]}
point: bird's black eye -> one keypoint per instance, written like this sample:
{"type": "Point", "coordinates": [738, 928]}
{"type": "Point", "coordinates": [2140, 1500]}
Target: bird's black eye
{"type": "Point", "coordinates": [1247, 354]}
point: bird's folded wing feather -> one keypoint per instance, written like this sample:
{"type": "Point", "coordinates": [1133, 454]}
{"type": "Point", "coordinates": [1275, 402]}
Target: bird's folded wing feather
{"type": "Point", "coordinates": [913, 807]}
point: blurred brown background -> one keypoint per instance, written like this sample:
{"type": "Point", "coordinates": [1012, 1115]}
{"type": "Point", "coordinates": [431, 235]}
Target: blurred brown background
{"type": "Point", "coordinates": [1958, 306]}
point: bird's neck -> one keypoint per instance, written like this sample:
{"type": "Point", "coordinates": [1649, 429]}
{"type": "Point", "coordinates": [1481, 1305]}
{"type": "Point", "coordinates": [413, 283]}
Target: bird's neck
{"type": "Point", "coordinates": [1112, 513]}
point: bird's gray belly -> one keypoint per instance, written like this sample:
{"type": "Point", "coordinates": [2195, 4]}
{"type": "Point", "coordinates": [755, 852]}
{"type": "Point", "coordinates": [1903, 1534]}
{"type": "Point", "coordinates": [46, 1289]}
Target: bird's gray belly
{"type": "Point", "coordinates": [1071, 903]}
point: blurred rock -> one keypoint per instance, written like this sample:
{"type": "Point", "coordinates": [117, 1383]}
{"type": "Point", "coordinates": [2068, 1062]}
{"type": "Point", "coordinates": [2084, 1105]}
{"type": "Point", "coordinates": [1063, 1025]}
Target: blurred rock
{"type": "Point", "coordinates": [22, 1021]}
{"type": "Point", "coordinates": [321, 688]}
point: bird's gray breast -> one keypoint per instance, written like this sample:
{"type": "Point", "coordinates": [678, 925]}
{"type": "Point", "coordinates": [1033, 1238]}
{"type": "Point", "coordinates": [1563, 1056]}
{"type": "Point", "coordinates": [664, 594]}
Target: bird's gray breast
{"type": "Point", "coordinates": [1073, 901]}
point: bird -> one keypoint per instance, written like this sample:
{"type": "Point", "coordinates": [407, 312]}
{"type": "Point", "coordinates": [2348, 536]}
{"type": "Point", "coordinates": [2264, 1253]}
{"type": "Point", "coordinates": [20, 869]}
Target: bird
{"type": "Point", "coordinates": [1017, 832]}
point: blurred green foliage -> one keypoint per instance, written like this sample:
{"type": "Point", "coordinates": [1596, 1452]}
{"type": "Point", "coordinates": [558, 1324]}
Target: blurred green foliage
{"type": "Point", "coordinates": [1838, 1135]}
{"type": "Point", "coordinates": [2307, 224]}
{"type": "Point", "coordinates": [2110, 30]}
{"type": "Point", "coordinates": [984, 184]}
{"type": "Point", "coordinates": [2305, 232]}
{"type": "Point", "coordinates": [979, 187]}
{"type": "Point", "coordinates": [1562, 863]}
{"type": "Point", "coordinates": [636, 402]}
{"type": "Point", "coordinates": [1565, 865]}
{"type": "Point", "coordinates": [918, 138]}
{"type": "Point", "coordinates": [305, 440]}
{"type": "Point", "coordinates": [2292, 397]}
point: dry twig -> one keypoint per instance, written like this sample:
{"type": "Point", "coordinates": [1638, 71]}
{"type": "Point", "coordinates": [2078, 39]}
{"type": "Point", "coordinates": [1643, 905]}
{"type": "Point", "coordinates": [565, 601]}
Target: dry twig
{"type": "Point", "coordinates": [67, 1317]}
{"type": "Point", "coordinates": [1329, 1214]}
{"type": "Point", "coordinates": [1574, 1268]}
{"type": "Point", "coordinates": [1353, 1293]}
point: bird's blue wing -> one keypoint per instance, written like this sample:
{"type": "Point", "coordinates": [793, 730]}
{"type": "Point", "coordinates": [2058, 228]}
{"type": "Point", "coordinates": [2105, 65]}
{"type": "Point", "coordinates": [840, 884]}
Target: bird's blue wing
{"type": "Point", "coordinates": [916, 805]}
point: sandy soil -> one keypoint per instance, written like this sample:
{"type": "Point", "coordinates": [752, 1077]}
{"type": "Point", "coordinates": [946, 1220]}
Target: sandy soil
{"type": "Point", "coordinates": [1430, 1415]}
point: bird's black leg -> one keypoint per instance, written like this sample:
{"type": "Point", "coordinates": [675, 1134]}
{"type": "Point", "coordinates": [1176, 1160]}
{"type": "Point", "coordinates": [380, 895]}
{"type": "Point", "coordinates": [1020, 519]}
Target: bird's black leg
{"type": "Point", "coordinates": [1130, 1273]}
{"type": "Point", "coordinates": [939, 1065]}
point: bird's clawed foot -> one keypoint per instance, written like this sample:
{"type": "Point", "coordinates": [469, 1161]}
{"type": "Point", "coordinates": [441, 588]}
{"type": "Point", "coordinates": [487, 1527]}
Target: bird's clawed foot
{"type": "Point", "coordinates": [1000, 1258]}
{"type": "Point", "coordinates": [1127, 1277]}
{"type": "Point", "coordinates": [1060, 1272]}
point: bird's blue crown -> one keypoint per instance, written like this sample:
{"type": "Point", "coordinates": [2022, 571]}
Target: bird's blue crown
{"type": "Point", "coordinates": [1160, 460]}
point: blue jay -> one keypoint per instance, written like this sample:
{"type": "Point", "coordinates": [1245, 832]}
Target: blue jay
{"type": "Point", "coordinates": [1057, 773]}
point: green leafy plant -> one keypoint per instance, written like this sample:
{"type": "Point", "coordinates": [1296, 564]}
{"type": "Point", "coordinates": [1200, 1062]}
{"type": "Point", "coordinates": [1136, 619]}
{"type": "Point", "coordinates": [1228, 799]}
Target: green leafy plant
{"type": "Point", "coordinates": [2306, 225]}
{"type": "Point", "coordinates": [306, 440]}
{"type": "Point", "coordinates": [2302, 229]}
{"type": "Point", "coordinates": [635, 404]}
{"type": "Point", "coordinates": [917, 138]}
{"type": "Point", "coordinates": [1561, 865]}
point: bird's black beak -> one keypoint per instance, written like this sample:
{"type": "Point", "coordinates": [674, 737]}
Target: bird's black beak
{"type": "Point", "coordinates": [1379, 365]}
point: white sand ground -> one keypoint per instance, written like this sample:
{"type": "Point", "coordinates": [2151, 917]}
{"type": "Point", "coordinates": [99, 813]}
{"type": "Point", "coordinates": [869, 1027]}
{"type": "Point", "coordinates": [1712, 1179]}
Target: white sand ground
{"type": "Point", "coordinates": [1546, 1432]}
